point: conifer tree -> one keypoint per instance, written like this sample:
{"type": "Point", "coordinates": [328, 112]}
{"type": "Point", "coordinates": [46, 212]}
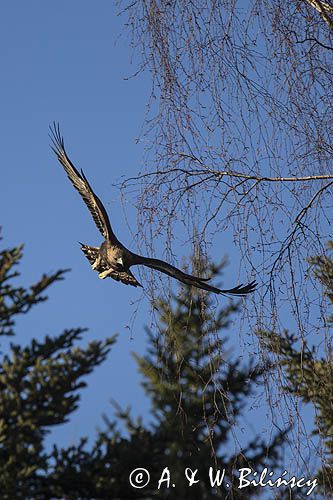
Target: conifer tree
{"type": "Point", "coordinates": [198, 391]}
{"type": "Point", "coordinates": [39, 387]}
{"type": "Point", "coordinates": [309, 376]}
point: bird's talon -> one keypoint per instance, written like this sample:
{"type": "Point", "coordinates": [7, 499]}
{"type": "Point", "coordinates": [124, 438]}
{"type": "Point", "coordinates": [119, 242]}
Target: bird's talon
{"type": "Point", "coordinates": [104, 274]}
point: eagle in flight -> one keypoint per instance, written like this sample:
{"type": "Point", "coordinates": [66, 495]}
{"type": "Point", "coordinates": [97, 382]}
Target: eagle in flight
{"type": "Point", "coordinates": [112, 259]}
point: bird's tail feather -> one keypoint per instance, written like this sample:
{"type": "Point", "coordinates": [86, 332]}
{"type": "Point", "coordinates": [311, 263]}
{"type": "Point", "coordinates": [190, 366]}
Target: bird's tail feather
{"type": "Point", "coordinates": [90, 252]}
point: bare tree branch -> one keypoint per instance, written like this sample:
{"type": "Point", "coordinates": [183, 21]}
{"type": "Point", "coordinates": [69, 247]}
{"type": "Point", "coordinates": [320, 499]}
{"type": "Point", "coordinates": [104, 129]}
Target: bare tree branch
{"type": "Point", "coordinates": [239, 145]}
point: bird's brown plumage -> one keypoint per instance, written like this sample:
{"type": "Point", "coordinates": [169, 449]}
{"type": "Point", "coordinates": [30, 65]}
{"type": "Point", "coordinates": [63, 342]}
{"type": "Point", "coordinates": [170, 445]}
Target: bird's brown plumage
{"type": "Point", "coordinates": [81, 183]}
{"type": "Point", "coordinates": [112, 259]}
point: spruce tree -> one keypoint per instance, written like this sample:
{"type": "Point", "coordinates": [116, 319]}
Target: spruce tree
{"type": "Point", "coordinates": [198, 392]}
{"type": "Point", "coordinates": [40, 387]}
{"type": "Point", "coordinates": [308, 375]}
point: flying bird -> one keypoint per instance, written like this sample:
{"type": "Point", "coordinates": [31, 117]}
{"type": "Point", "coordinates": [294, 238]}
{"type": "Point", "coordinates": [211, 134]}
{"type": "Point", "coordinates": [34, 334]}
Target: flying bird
{"type": "Point", "coordinates": [112, 259]}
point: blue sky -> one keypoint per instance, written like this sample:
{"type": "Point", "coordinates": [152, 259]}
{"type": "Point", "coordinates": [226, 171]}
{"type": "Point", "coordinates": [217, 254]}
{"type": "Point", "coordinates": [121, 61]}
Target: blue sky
{"type": "Point", "coordinates": [67, 61]}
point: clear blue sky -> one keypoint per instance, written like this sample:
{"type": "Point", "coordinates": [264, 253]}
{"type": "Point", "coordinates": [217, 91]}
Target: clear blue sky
{"type": "Point", "coordinates": [67, 61]}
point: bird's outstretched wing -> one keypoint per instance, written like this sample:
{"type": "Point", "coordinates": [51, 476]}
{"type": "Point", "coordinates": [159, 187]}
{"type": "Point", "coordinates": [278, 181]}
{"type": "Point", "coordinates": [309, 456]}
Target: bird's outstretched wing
{"type": "Point", "coordinates": [80, 182]}
{"type": "Point", "coordinates": [188, 279]}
